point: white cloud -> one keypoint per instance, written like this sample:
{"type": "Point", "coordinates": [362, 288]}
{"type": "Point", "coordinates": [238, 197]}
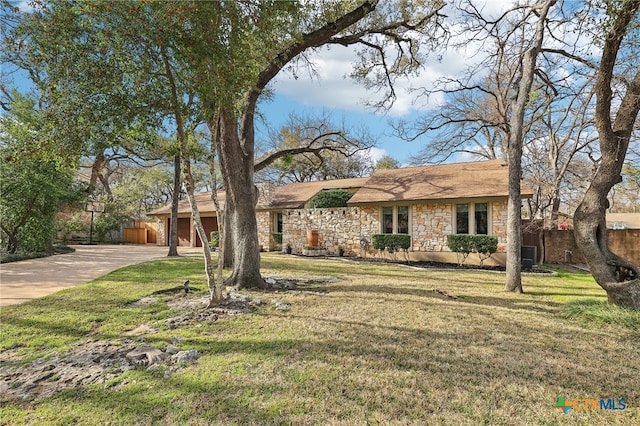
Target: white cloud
{"type": "Point", "coordinates": [375, 154]}
{"type": "Point", "coordinates": [25, 6]}
{"type": "Point", "coordinates": [333, 88]}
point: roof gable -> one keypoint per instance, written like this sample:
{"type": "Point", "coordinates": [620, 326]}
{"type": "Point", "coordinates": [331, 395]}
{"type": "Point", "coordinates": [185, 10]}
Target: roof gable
{"type": "Point", "coordinates": [295, 195]}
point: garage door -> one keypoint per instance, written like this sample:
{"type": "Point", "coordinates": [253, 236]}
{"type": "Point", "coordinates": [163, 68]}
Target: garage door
{"type": "Point", "coordinates": [184, 232]}
{"type": "Point", "coordinates": [209, 224]}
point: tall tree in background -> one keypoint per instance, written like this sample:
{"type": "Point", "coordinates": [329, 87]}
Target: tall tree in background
{"type": "Point", "coordinates": [615, 122]}
{"type": "Point", "coordinates": [111, 73]}
{"type": "Point", "coordinates": [473, 120]}
{"type": "Point", "coordinates": [489, 116]}
{"type": "Point", "coordinates": [309, 149]}
{"type": "Point", "coordinates": [514, 151]}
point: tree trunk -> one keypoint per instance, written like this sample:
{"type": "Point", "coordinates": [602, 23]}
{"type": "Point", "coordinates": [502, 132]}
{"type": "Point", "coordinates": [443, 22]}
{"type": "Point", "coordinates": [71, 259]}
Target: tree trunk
{"type": "Point", "coordinates": [555, 208]}
{"type": "Point", "coordinates": [214, 292]}
{"type": "Point", "coordinates": [175, 198]}
{"type": "Point", "coordinates": [514, 222]}
{"type": "Point", "coordinates": [214, 129]}
{"type": "Point", "coordinates": [12, 237]}
{"type": "Point", "coordinates": [514, 157]}
{"type": "Point", "coordinates": [227, 257]}
{"type": "Point", "coordinates": [236, 160]}
{"type": "Point", "coordinates": [617, 276]}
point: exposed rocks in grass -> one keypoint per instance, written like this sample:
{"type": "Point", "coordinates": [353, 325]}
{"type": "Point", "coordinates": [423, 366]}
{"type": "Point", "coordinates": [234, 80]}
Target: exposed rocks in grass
{"type": "Point", "coordinates": [303, 285]}
{"type": "Point", "coordinates": [145, 355]}
{"type": "Point", "coordinates": [185, 357]}
{"type": "Point", "coordinates": [281, 306]}
{"type": "Point", "coordinates": [445, 294]}
{"type": "Point", "coordinates": [237, 303]}
{"type": "Point", "coordinates": [190, 319]}
{"type": "Point", "coordinates": [101, 361]}
{"type": "Point", "coordinates": [89, 362]}
{"type": "Point", "coordinates": [145, 301]}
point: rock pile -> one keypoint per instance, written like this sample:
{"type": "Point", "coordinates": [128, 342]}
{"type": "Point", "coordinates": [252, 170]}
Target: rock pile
{"type": "Point", "coordinates": [89, 362]}
{"type": "Point", "coordinates": [99, 361]}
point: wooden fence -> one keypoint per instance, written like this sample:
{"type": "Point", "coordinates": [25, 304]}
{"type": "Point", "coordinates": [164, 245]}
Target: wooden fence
{"type": "Point", "coordinates": [560, 246]}
{"type": "Point", "coordinates": [142, 233]}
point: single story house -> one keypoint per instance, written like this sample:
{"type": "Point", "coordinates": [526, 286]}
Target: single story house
{"type": "Point", "coordinates": [427, 202]}
{"type": "Point", "coordinates": [623, 220]}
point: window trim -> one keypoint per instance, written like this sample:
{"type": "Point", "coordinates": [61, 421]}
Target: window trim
{"type": "Point", "coordinates": [274, 222]}
{"type": "Point", "coordinates": [394, 215]}
{"type": "Point", "coordinates": [472, 216]}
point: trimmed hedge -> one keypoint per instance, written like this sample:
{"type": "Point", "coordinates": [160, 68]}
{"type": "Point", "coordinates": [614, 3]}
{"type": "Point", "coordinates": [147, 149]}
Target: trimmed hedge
{"type": "Point", "coordinates": [465, 244]}
{"type": "Point", "coordinates": [277, 237]}
{"type": "Point", "coordinates": [391, 242]}
{"type": "Point", "coordinates": [330, 198]}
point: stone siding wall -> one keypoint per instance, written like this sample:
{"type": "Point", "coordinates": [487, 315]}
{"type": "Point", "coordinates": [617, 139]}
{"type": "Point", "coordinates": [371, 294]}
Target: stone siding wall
{"type": "Point", "coordinates": [337, 227]}
{"type": "Point", "coordinates": [346, 227]}
{"type": "Point", "coordinates": [265, 229]}
{"type": "Point", "coordinates": [430, 224]}
{"type": "Point", "coordinates": [499, 223]}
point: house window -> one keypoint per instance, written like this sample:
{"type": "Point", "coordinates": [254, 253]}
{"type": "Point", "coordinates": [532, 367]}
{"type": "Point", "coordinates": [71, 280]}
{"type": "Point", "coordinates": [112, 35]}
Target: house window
{"type": "Point", "coordinates": [395, 220]}
{"type": "Point", "coordinates": [403, 219]}
{"type": "Point", "coordinates": [277, 222]}
{"type": "Point", "coordinates": [462, 218]}
{"type": "Point", "coordinates": [387, 220]}
{"type": "Point", "coordinates": [472, 218]}
{"type": "Point", "coordinates": [482, 218]}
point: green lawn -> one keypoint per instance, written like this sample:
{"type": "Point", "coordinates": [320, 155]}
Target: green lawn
{"type": "Point", "coordinates": [377, 347]}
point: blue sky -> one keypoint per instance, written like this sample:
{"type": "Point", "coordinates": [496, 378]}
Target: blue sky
{"type": "Point", "coordinates": [332, 91]}
{"type": "Point", "coordinates": [277, 112]}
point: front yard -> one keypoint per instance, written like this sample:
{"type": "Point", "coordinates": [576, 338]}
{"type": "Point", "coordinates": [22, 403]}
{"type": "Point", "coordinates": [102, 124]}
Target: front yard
{"type": "Point", "coordinates": [383, 344]}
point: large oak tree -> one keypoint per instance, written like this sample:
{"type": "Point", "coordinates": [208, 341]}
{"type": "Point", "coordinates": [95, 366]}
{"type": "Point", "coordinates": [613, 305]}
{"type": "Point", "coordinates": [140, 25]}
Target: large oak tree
{"type": "Point", "coordinates": [615, 122]}
{"type": "Point", "coordinates": [253, 43]}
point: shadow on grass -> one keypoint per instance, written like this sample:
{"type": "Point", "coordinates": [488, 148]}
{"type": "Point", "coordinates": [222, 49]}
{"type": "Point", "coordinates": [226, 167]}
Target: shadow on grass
{"type": "Point", "coordinates": [546, 306]}
{"type": "Point", "coordinates": [559, 293]}
{"type": "Point", "coordinates": [266, 379]}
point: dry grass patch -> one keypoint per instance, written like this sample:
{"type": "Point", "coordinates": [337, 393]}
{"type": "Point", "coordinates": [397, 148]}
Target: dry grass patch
{"type": "Point", "coordinates": [379, 347]}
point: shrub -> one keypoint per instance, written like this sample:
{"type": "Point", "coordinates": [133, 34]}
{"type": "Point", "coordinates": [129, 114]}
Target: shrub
{"type": "Point", "coordinates": [214, 241]}
{"type": "Point", "coordinates": [485, 246]}
{"type": "Point", "coordinates": [330, 198]}
{"type": "Point", "coordinates": [391, 242]}
{"type": "Point", "coordinates": [465, 244]}
{"type": "Point", "coordinates": [277, 237]}
{"type": "Point", "coordinates": [461, 245]}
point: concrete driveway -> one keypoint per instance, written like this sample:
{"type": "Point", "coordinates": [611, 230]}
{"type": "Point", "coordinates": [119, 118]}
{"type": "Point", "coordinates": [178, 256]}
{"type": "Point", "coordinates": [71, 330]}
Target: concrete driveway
{"type": "Point", "coordinates": [30, 279]}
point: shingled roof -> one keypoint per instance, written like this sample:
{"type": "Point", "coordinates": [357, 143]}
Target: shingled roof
{"type": "Point", "coordinates": [481, 179]}
{"type": "Point", "coordinates": [203, 201]}
{"type": "Point", "coordinates": [295, 195]}
{"type": "Point", "coordinates": [292, 196]}
{"type": "Point", "coordinates": [484, 179]}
